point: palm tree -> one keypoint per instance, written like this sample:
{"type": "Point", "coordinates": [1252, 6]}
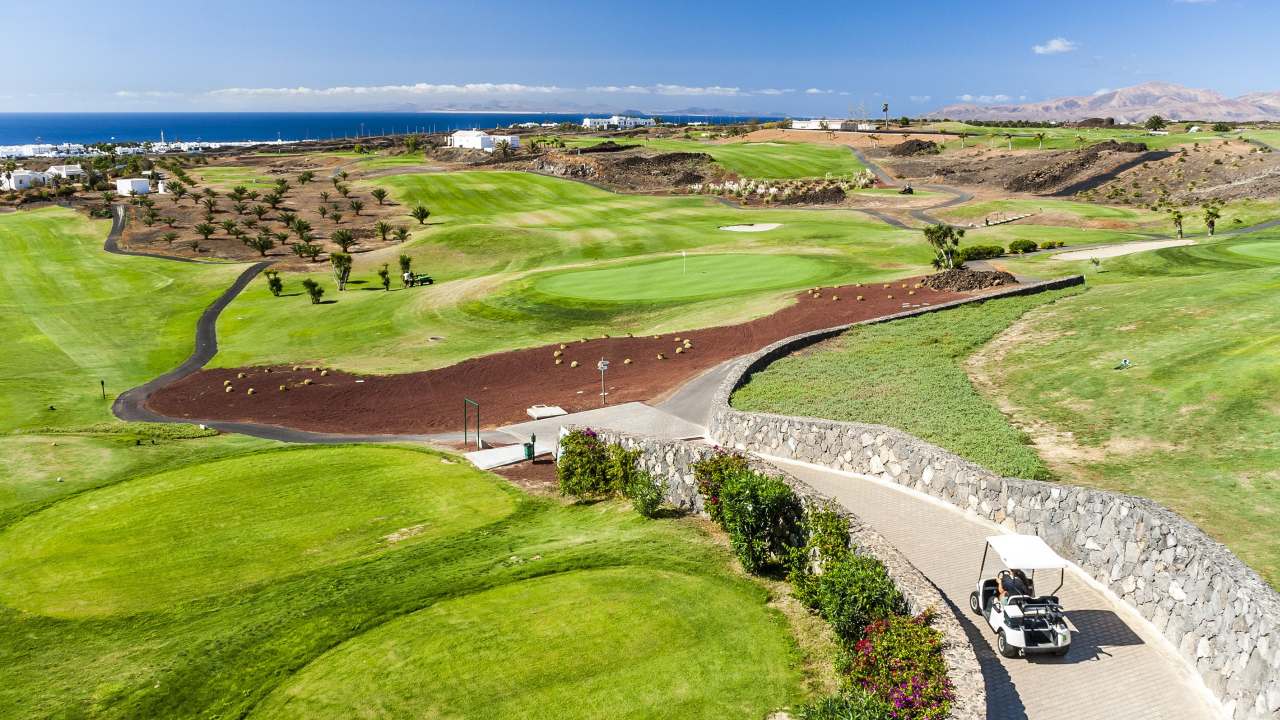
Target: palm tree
{"type": "Point", "coordinates": [1080, 141]}
{"type": "Point", "coordinates": [286, 218]}
{"type": "Point", "coordinates": [169, 237]}
{"type": "Point", "coordinates": [1212, 213]}
{"type": "Point", "coordinates": [1009, 139]}
{"type": "Point", "coordinates": [401, 233]}
{"type": "Point", "coordinates": [945, 240]}
{"type": "Point", "coordinates": [379, 194]}
{"type": "Point", "coordinates": [324, 196]}
{"type": "Point", "coordinates": [1176, 216]}
{"type": "Point", "coordinates": [324, 211]}
{"type": "Point", "coordinates": [343, 239]}
{"type": "Point", "coordinates": [382, 228]}
{"type": "Point", "coordinates": [228, 226]}
{"type": "Point", "coordinates": [1040, 137]}
{"type": "Point", "coordinates": [341, 262]}
{"type": "Point", "coordinates": [356, 206]}
{"type": "Point", "coordinates": [420, 213]}
{"type": "Point", "coordinates": [205, 230]}
{"type": "Point", "coordinates": [302, 229]}
{"type": "Point", "coordinates": [305, 177]}
{"type": "Point", "coordinates": [210, 204]}
{"type": "Point", "coordinates": [262, 243]}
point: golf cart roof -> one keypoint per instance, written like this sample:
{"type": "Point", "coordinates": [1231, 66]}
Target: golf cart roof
{"type": "Point", "coordinates": [1025, 552]}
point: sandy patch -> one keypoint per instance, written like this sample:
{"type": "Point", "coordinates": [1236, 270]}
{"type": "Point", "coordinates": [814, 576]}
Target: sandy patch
{"type": "Point", "coordinates": [754, 227]}
{"type": "Point", "coordinates": [1109, 251]}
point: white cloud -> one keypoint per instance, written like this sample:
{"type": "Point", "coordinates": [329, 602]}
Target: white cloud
{"type": "Point", "coordinates": [416, 89]}
{"type": "Point", "coordinates": [774, 91]}
{"type": "Point", "coordinates": [1055, 46]}
{"type": "Point", "coordinates": [1101, 91]}
{"type": "Point", "coordinates": [687, 90]}
{"type": "Point", "coordinates": [818, 91]}
{"type": "Point", "coordinates": [921, 98]}
{"type": "Point", "coordinates": [632, 89]}
{"type": "Point", "coordinates": [999, 98]}
{"type": "Point", "coordinates": [146, 94]}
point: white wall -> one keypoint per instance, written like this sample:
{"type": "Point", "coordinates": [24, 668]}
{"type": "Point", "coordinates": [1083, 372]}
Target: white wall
{"type": "Point", "coordinates": [137, 186]}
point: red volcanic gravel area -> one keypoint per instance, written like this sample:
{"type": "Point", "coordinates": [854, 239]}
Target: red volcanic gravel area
{"type": "Point", "coordinates": [506, 384]}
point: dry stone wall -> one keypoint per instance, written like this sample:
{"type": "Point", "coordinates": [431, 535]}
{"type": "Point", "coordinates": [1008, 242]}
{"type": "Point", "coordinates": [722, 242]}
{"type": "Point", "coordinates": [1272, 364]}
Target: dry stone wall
{"type": "Point", "coordinates": [1220, 615]}
{"type": "Point", "coordinates": [672, 462]}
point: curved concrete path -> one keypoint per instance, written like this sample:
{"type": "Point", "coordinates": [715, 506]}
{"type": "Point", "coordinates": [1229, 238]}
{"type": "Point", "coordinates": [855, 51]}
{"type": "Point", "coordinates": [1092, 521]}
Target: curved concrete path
{"type": "Point", "coordinates": [1117, 666]}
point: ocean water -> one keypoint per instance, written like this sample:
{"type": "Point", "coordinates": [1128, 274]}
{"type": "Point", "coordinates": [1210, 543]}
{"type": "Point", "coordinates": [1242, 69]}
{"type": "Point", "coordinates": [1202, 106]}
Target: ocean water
{"type": "Point", "coordinates": [85, 128]}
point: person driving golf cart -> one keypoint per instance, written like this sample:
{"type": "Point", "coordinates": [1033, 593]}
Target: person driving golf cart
{"type": "Point", "coordinates": [1025, 623]}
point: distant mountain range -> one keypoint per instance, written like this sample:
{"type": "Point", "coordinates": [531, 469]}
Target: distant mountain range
{"type": "Point", "coordinates": [1130, 105]}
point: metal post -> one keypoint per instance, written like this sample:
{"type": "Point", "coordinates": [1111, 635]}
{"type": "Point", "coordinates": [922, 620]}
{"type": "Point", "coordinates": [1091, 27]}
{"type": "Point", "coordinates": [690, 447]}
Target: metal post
{"type": "Point", "coordinates": [467, 404]}
{"type": "Point", "coordinates": [103, 383]}
{"type": "Point", "coordinates": [602, 366]}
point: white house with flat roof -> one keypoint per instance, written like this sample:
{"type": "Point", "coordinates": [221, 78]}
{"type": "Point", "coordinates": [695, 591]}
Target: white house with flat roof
{"type": "Point", "coordinates": [133, 186]}
{"type": "Point", "coordinates": [66, 172]}
{"type": "Point", "coordinates": [825, 124]}
{"type": "Point", "coordinates": [21, 179]}
{"type": "Point", "coordinates": [621, 122]}
{"type": "Point", "coordinates": [481, 140]}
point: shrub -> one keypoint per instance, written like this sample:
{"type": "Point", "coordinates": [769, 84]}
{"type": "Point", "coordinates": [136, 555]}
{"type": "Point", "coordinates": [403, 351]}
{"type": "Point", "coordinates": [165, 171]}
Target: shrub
{"type": "Point", "coordinates": [582, 468]}
{"type": "Point", "coordinates": [853, 592]}
{"type": "Point", "coordinates": [710, 474]}
{"type": "Point", "coordinates": [900, 662]}
{"type": "Point", "coordinates": [761, 515]}
{"type": "Point", "coordinates": [646, 493]}
{"type": "Point", "coordinates": [852, 705]}
{"type": "Point", "coordinates": [827, 533]}
{"type": "Point", "coordinates": [979, 252]}
{"type": "Point", "coordinates": [621, 469]}
{"type": "Point", "coordinates": [1022, 245]}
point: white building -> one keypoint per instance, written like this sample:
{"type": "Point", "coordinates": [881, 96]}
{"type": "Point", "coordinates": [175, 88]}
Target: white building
{"type": "Point", "coordinates": [825, 124]}
{"type": "Point", "coordinates": [1193, 129]}
{"type": "Point", "coordinates": [480, 140]}
{"type": "Point", "coordinates": [133, 186]}
{"type": "Point", "coordinates": [621, 122]}
{"type": "Point", "coordinates": [67, 172]}
{"type": "Point", "coordinates": [22, 179]}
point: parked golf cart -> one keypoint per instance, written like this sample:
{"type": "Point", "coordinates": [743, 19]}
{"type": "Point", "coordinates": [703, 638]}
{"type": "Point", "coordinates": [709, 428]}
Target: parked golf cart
{"type": "Point", "coordinates": [1024, 624]}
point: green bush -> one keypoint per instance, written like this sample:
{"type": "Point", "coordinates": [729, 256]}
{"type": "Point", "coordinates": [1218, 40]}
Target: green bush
{"type": "Point", "coordinates": [853, 705]}
{"type": "Point", "coordinates": [1022, 246]}
{"type": "Point", "coordinates": [645, 492]}
{"type": "Point", "coordinates": [827, 533]}
{"type": "Point", "coordinates": [761, 515]}
{"type": "Point", "coordinates": [979, 252]}
{"type": "Point", "coordinates": [853, 592]}
{"type": "Point", "coordinates": [621, 467]}
{"type": "Point", "coordinates": [900, 662]}
{"type": "Point", "coordinates": [710, 474]}
{"type": "Point", "coordinates": [582, 468]}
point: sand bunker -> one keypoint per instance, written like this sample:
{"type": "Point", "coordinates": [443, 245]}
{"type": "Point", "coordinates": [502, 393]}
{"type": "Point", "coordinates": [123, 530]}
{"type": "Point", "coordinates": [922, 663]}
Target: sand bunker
{"type": "Point", "coordinates": [754, 227]}
{"type": "Point", "coordinates": [1109, 251]}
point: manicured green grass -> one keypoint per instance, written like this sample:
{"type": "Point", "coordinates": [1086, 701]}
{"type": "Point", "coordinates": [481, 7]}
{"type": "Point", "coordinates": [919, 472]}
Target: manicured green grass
{"type": "Point", "coordinates": [602, 643]}
{"type": "Point", "coordinates": [1270, 137]}
{"type": "Point", "coordinates": [382, 162]}
{"type": "Point", "coordinates": [1060, 138]}
{"type": "Point", "coordinates": [689, 278]}
{"type": "Point", "coordinates": [233, 585]}
{"type": "Point", "coordinates": [908, 375]}
{"type": "Point", "coordinates": [489, 230]}
{"type": "Point", "coordinates": [1019, 206]}
{"type": "Point", "coordinates": [213, 528]}
{"type": "Point", "coordinates": [226, 178]}
{"type": "Point", "coordinates": [762, 160]}
{"type": "Point", "coordinates": [1194, 423]}
{"type": "Point", "coordinates": [72, 315]}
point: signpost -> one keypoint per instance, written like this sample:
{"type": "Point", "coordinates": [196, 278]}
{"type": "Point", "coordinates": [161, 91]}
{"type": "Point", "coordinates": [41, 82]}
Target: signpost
{"type": "Point", "coordinates": [602, 366]}
{"type": "Point", "coordinates": [467, 404]}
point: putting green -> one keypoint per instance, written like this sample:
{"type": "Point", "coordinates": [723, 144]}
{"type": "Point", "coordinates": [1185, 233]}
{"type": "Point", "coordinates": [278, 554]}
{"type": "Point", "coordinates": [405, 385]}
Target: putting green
{"type": "Point", "coordinates": [697, 276]}
{"type": "Point", "coordinates": [220, 526]}
{"type": "Point", "coordinates": [551, 648]}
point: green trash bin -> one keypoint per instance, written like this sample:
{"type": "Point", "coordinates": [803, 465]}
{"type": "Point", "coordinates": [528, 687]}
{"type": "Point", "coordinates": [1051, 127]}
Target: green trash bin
{"type": "Point", "coordinates": [528, 451]}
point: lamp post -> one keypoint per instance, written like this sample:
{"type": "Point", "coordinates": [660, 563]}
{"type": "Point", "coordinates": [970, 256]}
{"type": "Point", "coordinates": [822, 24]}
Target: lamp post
{"type": "Point", "coordinates": [602, 366]}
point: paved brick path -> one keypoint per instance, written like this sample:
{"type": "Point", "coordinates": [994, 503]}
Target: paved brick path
{"type": "Point", "coordinates": [1114, 670]}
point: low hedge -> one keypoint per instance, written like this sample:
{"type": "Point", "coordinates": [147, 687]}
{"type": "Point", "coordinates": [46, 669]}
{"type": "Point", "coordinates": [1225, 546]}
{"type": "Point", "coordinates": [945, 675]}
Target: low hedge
{"type": "Point", "coordinates": [710, 473]}
{"type": "Point", "coordinates": [852, 705]}
{"type": "Point", "coordinates": [762, 516]}
{"type": "Point", "coordinates": [979, 252]}
{"type": "Point", "coordinates": [1022, 246]}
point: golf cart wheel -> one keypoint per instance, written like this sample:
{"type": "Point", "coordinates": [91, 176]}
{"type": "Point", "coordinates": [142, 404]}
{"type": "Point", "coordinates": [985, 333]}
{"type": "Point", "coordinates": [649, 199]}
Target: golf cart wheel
{"type": "Point", "coordinates": [973, 603]}
{"type": "Point", "coordinates": [1006, 650]}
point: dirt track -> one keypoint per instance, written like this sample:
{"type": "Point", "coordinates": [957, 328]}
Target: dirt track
{"type": "Point", "coordinates": [506, 384]}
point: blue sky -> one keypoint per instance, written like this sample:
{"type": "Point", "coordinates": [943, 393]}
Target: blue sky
{"type": "Point", "coordinates": [809, 58]}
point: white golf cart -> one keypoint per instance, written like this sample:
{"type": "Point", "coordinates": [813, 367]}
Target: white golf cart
{"type": "Point", "coordinates": [1027, 623]}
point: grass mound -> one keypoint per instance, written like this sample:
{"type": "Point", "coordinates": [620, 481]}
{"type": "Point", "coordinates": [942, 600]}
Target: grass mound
{"type": "Point", "coordinates": [224, 525]}
{"type": "Point", "coordinates": [909, 375]}
{"type": "Point", "coordinates": [556, 639]}
{"type": "Point", "coordinates": [694, 277]}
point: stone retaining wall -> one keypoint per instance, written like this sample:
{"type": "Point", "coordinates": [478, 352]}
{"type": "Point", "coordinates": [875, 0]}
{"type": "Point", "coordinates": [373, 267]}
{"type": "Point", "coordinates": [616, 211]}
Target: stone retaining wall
{"type": "Point", "coordinates": [1220, 615]}
{"type": "Point", "coordinates": [672, 462]}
